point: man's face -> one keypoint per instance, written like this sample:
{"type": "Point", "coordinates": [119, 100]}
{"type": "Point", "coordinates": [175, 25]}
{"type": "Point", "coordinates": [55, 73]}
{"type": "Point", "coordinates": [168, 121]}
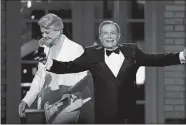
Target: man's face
{"type": "Point", "coordinates": [109, 36]}
{"type": "Point", "coordinates": [49, 35]}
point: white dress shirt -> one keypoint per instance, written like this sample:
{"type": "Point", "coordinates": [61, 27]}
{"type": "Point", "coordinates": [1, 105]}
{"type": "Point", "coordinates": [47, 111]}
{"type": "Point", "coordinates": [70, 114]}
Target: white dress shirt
{"type": "Point", "coordinates": [114, 62]}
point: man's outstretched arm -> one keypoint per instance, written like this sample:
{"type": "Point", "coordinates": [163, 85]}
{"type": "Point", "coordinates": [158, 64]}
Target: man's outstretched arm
{"type": "Point", "coordinates": [162, 59]}
{"type": "Point", "coordinates": [78, 65]}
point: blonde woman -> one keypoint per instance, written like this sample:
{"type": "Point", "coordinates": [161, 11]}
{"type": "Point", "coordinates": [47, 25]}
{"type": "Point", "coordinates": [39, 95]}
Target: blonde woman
{"type": "Point", "coordinates": [47, 85]}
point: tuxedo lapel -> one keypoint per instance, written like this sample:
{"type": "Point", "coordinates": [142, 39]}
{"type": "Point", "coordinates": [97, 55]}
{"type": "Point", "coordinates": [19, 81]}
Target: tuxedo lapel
{"type": "Point", "coordinates": [108, 73]}
{"type": "Point", "coordinates": [128, 61]}
{"type": "Point", "coordinates": [101, 62]}
{"type": "Point", "coordinates": [126, 64]}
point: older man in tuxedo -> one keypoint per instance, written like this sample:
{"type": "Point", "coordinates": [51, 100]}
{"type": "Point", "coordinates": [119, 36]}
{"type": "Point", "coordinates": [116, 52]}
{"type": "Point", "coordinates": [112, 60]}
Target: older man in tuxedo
{"type": "Point", "coordinates": [113, 67]}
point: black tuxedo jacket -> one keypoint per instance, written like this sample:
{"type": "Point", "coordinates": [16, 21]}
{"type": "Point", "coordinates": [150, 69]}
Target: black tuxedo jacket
{"type": "Point", "coordinates": [115, 97]}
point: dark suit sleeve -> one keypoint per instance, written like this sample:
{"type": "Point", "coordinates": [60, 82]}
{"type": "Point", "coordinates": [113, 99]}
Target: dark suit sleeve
{"type": "Point", "coordinates": [156, 60]}
{"type": "Point", "coordinates": [78, 65]}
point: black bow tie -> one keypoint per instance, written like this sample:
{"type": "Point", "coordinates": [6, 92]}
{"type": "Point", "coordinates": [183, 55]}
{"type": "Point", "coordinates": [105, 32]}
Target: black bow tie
{"type": "Point", "coordinates": [108, 52]}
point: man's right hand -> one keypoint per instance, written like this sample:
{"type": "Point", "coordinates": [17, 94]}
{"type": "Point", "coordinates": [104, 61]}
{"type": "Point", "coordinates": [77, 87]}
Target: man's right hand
{"type": "Point", "coordinates": [22, 107]}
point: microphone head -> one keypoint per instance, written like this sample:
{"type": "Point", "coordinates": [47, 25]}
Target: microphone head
{"type": "Point", "coordinates": [39, 53]}
{"type": "Point", "coordinates": [41, 50]}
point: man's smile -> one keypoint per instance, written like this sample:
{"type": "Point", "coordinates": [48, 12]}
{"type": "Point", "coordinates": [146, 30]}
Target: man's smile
{"type": "Point", "coordinates": [109, 41]}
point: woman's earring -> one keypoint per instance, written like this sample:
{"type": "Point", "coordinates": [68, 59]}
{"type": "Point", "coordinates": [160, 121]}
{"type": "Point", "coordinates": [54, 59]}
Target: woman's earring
{"type": "Point", "coordinates": [59, 35]}
{"type": "Point", "coordinates": [61, 31]}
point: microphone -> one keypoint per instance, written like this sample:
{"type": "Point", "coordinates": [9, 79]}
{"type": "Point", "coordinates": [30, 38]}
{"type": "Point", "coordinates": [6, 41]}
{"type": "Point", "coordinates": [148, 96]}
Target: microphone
{"type": "Point", "coordinates": [39, 53]}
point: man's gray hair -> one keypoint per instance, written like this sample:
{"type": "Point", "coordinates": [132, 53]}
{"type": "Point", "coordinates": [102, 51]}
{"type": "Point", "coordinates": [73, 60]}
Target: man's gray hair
{"type": "Point", "coordinates": [108, 22]}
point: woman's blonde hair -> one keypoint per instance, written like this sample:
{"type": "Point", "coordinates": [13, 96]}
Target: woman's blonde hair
{"type": "Point", "coordinates": [51, 21]}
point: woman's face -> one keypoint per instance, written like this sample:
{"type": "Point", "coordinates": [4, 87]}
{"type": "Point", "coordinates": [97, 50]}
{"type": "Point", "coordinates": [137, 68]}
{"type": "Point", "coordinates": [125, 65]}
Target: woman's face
{"type": "Point", "coordinates": [49, 35]}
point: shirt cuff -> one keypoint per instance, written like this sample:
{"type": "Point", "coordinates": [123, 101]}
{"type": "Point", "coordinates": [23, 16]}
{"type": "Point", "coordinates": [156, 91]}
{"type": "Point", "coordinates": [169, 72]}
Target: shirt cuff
{"type": "Point", "coordinates": [182, 58]}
